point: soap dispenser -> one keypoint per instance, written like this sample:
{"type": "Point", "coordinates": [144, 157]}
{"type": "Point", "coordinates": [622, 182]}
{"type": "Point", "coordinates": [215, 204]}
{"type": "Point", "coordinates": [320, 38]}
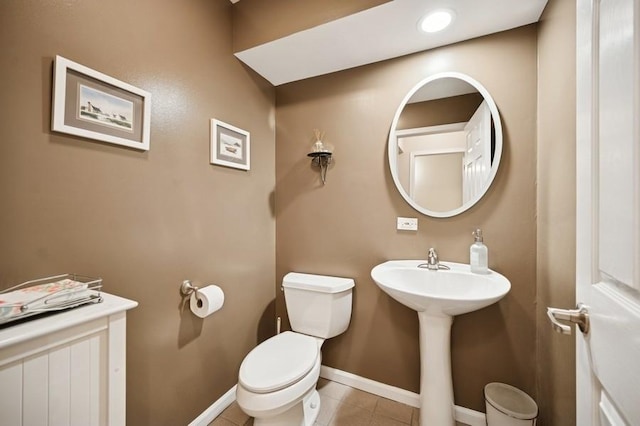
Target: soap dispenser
{"type": "Point", "coordinates": [478, 254]}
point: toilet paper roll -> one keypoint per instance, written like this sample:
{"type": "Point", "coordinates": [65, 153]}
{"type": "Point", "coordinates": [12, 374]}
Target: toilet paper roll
{"type": "Point", "coordinates": [206, 300]}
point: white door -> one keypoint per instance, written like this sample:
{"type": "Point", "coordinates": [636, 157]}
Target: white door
{"type": "Point", "coordinates": [608, 211]}
{"type": "Point", "coordinates": [477, 160]}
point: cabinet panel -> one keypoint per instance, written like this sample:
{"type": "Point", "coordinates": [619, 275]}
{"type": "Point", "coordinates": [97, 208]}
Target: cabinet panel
{"type": "Point", "coordinates": [60, 386]}
{"type": "Point", "coordinates": [67, 369]}
{"type": "Point", "coordinates": [35, 390]}
{"type": "Point", "coordinates": [11, 393]}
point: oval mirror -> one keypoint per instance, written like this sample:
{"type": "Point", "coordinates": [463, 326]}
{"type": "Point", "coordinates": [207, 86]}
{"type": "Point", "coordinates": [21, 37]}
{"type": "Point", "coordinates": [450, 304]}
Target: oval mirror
{"type": "Point", "coordinates": [445, 144]}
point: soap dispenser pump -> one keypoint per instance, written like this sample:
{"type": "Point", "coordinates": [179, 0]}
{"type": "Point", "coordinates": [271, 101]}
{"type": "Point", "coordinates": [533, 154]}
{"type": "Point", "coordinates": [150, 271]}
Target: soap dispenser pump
{"type": "Point", "coordinates": [478, 254]}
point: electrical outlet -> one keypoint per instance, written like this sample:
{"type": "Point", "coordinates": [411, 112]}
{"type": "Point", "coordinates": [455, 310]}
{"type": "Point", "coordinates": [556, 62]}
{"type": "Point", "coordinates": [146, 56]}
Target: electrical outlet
{"type": "Point", "coordinates": [407, 224]}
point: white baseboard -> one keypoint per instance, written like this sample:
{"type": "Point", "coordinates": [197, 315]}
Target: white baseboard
{"type": "Point", "coordinates": [386, 391]}
{"type": "Point", "coordinates": [462, 414]}
{"type": "Point", "coordinates": [216, 408]}
{"type": "Point", "coordinates": [470, 417]}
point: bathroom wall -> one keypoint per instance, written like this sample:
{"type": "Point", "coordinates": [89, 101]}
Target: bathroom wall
{"type": "Point", "coordinates": [454, 109]}
{"type": "Point", "coordinates": [144, 221]}
{"type": "Point", "coordinates": [348, 226]}
{"type": "Point", "coordinates": [556, 208]}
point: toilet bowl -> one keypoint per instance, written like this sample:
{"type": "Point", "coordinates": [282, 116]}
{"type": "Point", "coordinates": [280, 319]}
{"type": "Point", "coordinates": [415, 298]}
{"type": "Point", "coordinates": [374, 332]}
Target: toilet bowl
{"type": "Point", "coordinates": [278, 375]}
{"type": "Point", "coordinates": [277, 379]}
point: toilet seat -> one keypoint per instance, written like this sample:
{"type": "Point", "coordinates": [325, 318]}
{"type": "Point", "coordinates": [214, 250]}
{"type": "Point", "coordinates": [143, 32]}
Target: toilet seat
{"type": "Point", "coordinates": [267, 405]}
{"type": "Point", "coordinates": [279, 362]}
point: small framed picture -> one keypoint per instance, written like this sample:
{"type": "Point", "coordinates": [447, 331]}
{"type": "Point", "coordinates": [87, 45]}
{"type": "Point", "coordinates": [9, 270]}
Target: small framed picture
{"type": "Point", "coordinates": [230, 146]}
{"type": "Point", "coordinates": [93, 105]}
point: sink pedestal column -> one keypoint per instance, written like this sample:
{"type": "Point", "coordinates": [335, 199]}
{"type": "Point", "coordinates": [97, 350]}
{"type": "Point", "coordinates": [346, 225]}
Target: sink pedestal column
{"type": "Point", "coordinates": [436, 384]}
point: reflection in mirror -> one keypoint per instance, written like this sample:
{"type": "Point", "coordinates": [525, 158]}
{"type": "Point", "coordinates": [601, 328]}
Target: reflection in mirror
{"type": "Point", "coordinates": [445, 144]}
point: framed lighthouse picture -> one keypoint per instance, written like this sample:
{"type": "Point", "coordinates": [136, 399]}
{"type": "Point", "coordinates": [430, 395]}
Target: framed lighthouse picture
{"type": "Point", "coordinates": [93, 105]}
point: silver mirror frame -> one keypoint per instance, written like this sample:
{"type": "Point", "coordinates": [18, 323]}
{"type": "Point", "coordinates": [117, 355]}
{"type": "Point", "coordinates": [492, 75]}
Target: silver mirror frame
{"type": "Point", "coordinates": [393, 144]}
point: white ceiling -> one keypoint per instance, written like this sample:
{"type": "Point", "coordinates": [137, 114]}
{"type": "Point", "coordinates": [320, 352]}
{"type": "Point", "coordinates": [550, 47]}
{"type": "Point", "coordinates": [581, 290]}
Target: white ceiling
{"type": "Point", "coordinates": [382, 32]}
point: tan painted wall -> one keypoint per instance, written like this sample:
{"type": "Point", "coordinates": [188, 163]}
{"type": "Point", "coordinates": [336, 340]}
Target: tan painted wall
{"type": "Point", "coordinates": [144, 221]}
{"type": "Point", "coordinates": [454, 109]}
{"type": "Point", "coordinates": [556, 208]}
{"type": "Point", "coordinates": [348, 226]}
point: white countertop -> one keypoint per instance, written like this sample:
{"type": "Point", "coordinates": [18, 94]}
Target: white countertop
{"type": "Point", "coordinates": [36, 327]}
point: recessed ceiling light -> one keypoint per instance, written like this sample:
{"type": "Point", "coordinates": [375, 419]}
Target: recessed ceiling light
{"type": "Point", "coordinates": [436, 21]}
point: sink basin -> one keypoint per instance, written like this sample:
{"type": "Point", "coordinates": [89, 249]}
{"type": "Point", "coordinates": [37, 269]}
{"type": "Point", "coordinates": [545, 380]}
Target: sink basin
{"type": "Point", "coordinates": [451, 292]}
{"type": "Point", "coordinates": [437, 296]}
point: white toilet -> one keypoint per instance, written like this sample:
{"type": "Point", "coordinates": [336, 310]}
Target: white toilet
{"type": "Point", "coordinates": [277, 380]}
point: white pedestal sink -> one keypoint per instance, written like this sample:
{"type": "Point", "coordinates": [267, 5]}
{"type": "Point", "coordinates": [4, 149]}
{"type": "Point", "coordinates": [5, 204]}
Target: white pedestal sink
{"type": "Point", "coordinates": [437, 296]}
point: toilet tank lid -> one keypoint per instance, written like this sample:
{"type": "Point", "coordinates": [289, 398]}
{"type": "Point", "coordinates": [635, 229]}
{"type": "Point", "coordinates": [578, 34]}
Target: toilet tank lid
{"type": "Point", "coordinates": [319, 283]}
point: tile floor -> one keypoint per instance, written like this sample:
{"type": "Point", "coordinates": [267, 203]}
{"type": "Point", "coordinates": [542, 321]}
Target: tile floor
{"type": "Point", "coordinates": [341, 405]}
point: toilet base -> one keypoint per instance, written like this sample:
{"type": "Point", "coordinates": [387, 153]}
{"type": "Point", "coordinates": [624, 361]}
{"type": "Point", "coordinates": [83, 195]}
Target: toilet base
{"type": "Point", "coordinates": [304, 413]}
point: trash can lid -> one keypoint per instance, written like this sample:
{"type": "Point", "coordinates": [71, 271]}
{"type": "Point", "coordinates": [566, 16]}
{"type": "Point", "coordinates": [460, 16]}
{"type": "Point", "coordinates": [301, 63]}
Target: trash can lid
{"type": "Point", "coordinates": [511, 401]}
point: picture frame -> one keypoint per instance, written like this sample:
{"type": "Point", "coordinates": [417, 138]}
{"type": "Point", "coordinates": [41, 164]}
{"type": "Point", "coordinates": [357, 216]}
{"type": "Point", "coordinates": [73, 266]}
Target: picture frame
{"type": "Point", "coordinates": [230, 146]}
{"type": "Point", "coordinates": [93, 105]}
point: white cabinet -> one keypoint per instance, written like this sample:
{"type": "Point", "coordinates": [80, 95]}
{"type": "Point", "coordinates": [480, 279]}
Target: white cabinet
{"type": "Point", "coordinates": [66, 369]}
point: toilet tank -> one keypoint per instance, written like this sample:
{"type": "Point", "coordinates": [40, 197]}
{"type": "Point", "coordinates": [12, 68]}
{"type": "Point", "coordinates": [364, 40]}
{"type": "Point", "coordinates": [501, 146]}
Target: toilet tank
{"type": "Point", "coordinates": [318, 305]}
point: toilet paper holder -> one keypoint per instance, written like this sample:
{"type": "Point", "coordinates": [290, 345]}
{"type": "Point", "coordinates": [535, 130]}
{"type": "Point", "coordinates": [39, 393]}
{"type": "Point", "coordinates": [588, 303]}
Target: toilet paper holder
{"type": "Point", "coordinates": [186, 288]}
{"type": "Point", "coordinates": [202, 301]}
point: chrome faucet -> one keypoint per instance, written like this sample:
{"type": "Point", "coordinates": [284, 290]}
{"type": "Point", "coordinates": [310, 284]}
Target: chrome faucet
{"type": "Point", "coordinates": [432, 261]}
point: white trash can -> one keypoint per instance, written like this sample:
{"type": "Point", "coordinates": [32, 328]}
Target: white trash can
{"type": "Point", "coordinates": [509, 406]}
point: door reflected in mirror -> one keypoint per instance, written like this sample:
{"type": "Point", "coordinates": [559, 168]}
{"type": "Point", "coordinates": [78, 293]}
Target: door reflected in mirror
{"type": "Point", "coordinates": [445, 144]}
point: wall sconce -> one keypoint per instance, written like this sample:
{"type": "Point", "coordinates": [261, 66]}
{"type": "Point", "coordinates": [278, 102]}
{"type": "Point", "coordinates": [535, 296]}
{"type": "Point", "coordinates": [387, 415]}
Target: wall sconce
{"type": "Point", "coordinates": [321, 155]}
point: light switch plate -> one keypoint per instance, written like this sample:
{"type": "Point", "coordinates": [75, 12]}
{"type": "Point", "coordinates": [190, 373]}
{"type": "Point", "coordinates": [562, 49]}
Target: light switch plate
{"type": "Point", "coordinates": [407, 224]}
